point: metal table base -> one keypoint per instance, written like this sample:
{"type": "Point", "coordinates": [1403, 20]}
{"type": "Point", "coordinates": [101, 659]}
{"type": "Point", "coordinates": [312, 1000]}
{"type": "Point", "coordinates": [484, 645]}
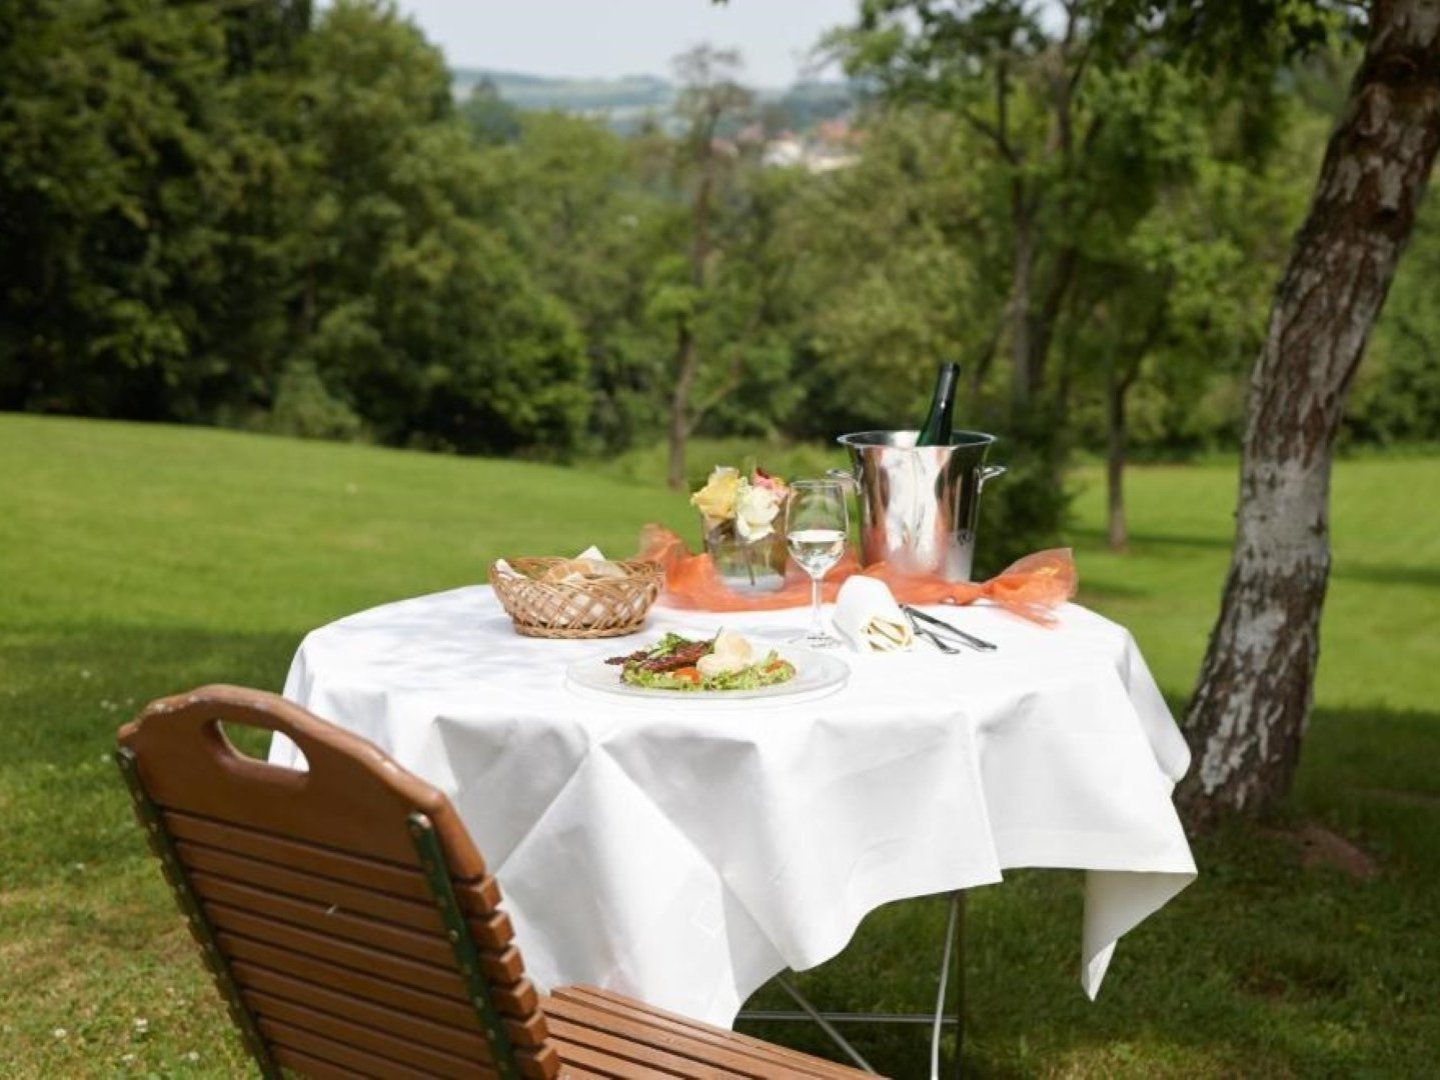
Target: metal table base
{"type": "Point", "coordinates": [952, 954]}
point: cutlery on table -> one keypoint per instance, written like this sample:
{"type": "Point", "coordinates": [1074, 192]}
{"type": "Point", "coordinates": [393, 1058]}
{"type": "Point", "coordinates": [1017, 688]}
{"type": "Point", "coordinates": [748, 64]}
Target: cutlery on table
{"type": "Point", "coordinates": [929, 635]}
{"type": "Point", "coordinates": [939, 624]}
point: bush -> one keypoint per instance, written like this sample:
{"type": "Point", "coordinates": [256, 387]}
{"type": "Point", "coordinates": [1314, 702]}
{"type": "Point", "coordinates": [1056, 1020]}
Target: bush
{"type": "Point", "coordinates": [305, 407]}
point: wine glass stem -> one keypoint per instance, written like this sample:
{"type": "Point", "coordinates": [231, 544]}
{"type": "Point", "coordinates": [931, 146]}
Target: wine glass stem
{"type": "Point", "coordinates": [816, 628]}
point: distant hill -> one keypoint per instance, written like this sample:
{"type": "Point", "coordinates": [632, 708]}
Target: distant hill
{"type": "Point", "coordinates": [627, 101]}
{"type": "Point", "coordinates": [569, 95]}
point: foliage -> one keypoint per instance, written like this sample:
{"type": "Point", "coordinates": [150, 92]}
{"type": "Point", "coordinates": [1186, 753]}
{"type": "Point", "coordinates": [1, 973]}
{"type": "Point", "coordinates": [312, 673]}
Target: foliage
{"type": "Point", "coordinates": [213, 212]}
{"type": "Point", "coordinates": [305, 407]}
{"type": "Point", "coordinates": [203, 195]}
{"type": "Point", "coordinates": [1397, 398]}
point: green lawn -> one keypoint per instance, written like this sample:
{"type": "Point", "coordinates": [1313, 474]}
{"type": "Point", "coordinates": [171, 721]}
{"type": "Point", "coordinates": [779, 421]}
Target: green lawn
{"type": "Point", "coordinates": [135, 561]}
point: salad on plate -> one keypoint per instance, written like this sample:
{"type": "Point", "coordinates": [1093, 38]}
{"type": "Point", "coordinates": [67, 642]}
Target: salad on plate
{"type": "Point", "coordinates": [725, 662]}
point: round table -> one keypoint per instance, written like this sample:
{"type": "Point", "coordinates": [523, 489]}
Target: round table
{"type": "Point", "coordinates": [686, 852]}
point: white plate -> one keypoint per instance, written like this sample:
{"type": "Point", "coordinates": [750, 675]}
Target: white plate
{"type": "Point", "coordinates": [816, 675]}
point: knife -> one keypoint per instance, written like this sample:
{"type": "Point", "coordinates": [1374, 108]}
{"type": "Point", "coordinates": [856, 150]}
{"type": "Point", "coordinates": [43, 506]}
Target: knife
{"type": "Point", "coordinates": [969, 639]}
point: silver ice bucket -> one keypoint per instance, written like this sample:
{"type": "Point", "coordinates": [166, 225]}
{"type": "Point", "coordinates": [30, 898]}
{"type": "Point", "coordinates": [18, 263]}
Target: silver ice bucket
{"type": "Point", "coordinates": [919, 504]}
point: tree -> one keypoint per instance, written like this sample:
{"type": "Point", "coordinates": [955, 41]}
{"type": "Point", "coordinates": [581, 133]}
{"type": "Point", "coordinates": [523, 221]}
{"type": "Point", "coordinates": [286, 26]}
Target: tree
{"type": "Point", "coordinates": [590, 231]}
{"type": "Point", "coordinates": [893, 274]}
{"type": "Point", "coordinates": [1250, 706]}
{"type": "Point", "coordinates": [410, 300]}
{"type": "Point", "coordinates": [1021, 87]}
{"type": "Point", "coordinates": [709, 96]}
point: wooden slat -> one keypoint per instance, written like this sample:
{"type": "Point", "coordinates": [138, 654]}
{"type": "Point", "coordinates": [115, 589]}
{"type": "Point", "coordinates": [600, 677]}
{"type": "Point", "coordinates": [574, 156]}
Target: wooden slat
{"type": "Point", "coordinates": [643, 1052]}
{"type": "Point", "coordinates": [356, 1062]}
{"type": "Point", "coordinates": [378, 1044]}
{"type": "Point", "coordinates": [407, 881]}
{"type": "Point", "coordinates": [489, 931]}
{"type": "Point", "coordinates": [519, 999]}
{"type": "Point", "coordinates": [352, 899]}
{"type": "Point", "coordinates": [599, 1063]}
{"type": "Point", "coordinates": [311, 1067]}
{"type": "Point", "coordinates": [435, 978]}
{"type": "Point", "coordinates": [315, 1068]}
{"type": "Point", "coordinates": [502, 968]}
{"type": "Point", "coordinates": [528, 1031]}
{"type": "Point", "coordinates": [572, 1023]}
{"type": "Point", "coordinates": [395, 939]}
{"type": "Point", "coordinates": [452, 1009]}
{"type": "Point", "coordinates": [477, 897]}
{"type": "Point", "coordinates": [617, 1012]}
{"type": "Point", "coordinates": [466, 1042]}
{"type": "Point", "coordinates": [540, 1062]}
{"type": "Point", "coordinates": [493, 932]}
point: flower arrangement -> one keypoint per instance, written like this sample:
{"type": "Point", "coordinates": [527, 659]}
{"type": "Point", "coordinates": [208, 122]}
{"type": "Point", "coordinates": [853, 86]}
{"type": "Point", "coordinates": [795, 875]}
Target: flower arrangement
{"type": "Point", "coordinates": [740, 515]}
{"type": "Point", "coordinates": [752, 503]}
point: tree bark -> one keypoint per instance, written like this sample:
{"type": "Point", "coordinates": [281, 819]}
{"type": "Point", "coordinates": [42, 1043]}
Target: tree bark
{"type": "Point", "coordinates": [687, 355]}
{"type": "Point", "coordinates": [1117, 536]}
{"type": "Point", "coordinates": [1250, 706]}
{"type": "Point", "coordinates": [686, 363]}
{"type": "Point", "coordinates": [1022, 275]}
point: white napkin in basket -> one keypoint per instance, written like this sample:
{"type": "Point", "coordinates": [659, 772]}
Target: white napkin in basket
{"type": "Point", "coordinates": [867, 614]}
{"type": "Point", "coordinates": [591, 553]}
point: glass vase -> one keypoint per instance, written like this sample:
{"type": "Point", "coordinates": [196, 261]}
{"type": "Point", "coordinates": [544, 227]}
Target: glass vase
{"type": "Point", "coordinates": [746, 566]}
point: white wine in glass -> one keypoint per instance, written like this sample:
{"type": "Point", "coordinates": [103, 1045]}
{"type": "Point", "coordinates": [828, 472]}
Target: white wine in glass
{"type": "Point", "coordinates": [816, 526]}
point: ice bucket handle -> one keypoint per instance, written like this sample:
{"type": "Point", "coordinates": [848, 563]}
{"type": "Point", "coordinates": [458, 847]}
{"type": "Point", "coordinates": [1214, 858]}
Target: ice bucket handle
{"type": "Point", "coordinates": [989, 472]}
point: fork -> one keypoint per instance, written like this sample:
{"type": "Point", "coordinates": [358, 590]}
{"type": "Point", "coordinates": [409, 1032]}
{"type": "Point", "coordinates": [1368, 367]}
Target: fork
{"type": "Point", "coordinates": [930, 636]}
{"type": "Point", "coordinates": [969, 639]}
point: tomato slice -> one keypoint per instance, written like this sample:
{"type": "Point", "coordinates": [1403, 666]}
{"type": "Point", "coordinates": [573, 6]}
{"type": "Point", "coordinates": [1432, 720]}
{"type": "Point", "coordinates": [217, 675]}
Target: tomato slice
{"type": "Point", "coordinates": [689, 674]}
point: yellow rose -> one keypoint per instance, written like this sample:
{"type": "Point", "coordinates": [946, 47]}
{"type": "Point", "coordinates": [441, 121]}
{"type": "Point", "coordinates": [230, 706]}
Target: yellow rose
{"type": "Point", "coordinates": [716, 500]}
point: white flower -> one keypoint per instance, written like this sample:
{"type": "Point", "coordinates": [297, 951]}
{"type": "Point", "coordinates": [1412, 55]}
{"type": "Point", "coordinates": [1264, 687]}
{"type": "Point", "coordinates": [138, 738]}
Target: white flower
{"type": "Point", "coordinates": [60, 1033]}
{"type": "Point", "coordinates": [755, 511]}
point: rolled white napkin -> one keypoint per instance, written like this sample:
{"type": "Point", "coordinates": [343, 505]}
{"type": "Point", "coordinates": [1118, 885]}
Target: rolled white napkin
{"type": "Point", "coordinates": [867, 614]}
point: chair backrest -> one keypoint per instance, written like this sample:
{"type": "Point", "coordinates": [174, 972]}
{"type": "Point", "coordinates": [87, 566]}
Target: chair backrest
{"type": "Point", "coordinates": [343, 910]}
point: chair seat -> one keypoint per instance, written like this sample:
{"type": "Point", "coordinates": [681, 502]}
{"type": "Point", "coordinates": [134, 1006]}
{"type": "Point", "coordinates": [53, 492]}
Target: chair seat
{"type": "Point", "coordinates": [600, 1033]}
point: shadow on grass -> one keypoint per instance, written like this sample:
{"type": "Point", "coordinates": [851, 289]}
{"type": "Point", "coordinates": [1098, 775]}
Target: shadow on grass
{"type": "Point", "coordinates": [1094, 594]}
{"type": "Point", "coordinates": [70, 688]}
{"type": "Point", "coordinates": [67, 690]}
{"type": "Point", "coordinates": [1139, 541]}
{"type": "Point", "coordinates": [1423, 577]}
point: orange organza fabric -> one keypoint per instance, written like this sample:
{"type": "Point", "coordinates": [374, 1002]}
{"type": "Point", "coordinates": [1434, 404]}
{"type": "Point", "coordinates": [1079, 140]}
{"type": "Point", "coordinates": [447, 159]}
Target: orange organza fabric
{"type": "Point", "coordinates": [1031, 587]}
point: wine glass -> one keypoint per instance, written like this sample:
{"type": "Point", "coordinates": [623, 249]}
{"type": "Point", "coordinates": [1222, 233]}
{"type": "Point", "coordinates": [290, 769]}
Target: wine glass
{"type": "Point", "coordinates": [816, 525]}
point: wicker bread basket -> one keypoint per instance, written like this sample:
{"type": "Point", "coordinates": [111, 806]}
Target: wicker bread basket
{"type": "Point", "coordinates": [594, 607]}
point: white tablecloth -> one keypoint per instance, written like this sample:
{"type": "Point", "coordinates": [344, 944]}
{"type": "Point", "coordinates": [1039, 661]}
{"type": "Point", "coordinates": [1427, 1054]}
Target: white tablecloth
{"type": "Point", "coordinates": [686, 854]}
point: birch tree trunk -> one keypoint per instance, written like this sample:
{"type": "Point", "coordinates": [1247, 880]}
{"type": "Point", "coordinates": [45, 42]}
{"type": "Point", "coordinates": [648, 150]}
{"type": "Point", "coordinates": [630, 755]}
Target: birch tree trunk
{"type": "Point", "coordinates": [1252, 701]}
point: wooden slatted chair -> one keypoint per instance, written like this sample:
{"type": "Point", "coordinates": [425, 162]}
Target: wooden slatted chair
{"type": "Point", "coordinates": [351, 926]}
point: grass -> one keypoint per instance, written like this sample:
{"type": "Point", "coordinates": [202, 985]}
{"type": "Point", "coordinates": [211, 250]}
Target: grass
{"type": "Point", "coordinates": [135, 561]}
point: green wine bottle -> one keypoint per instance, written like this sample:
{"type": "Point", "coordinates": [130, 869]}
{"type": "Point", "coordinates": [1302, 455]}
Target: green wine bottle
{"type": "Point", "coordinates": [936, 429]}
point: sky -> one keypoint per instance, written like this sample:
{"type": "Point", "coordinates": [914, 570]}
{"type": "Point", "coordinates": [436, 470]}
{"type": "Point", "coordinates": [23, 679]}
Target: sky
{"type": "Point", "coordinates": [609, 38]}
